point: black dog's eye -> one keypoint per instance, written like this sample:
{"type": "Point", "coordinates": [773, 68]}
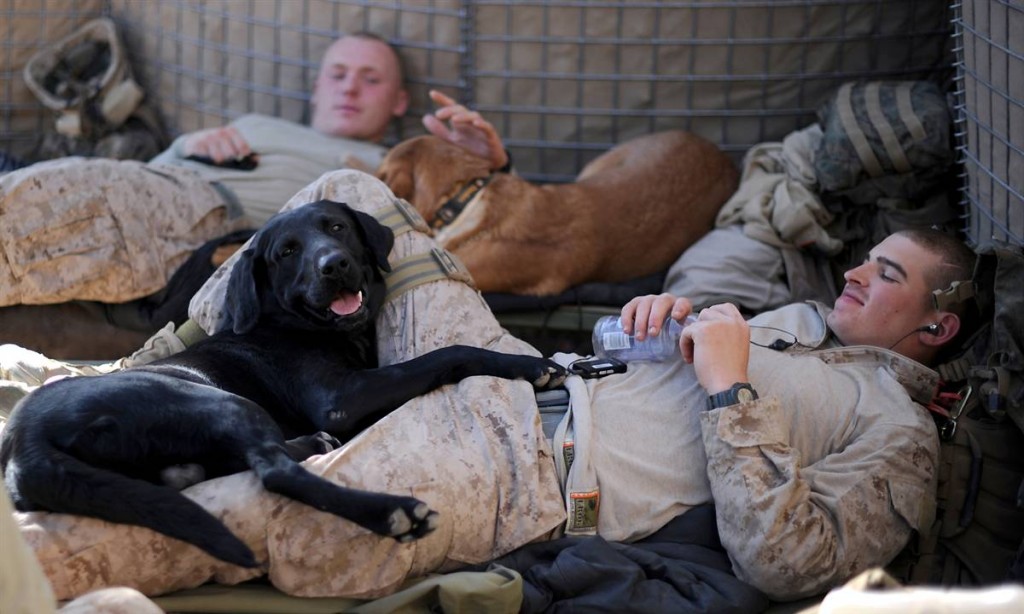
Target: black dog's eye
{"type": "Point", "coordinates": [337, 227]}
{"type": "Point", "coordinates": [287, 250]}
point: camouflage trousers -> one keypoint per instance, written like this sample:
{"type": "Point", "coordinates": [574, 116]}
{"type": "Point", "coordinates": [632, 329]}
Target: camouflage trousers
{"type": "Point", "coordinates": [24, 589]}
{"type": "Point", "coordinates": [475, 452]}
{"type": "Point", "coordinates": [102, 230]}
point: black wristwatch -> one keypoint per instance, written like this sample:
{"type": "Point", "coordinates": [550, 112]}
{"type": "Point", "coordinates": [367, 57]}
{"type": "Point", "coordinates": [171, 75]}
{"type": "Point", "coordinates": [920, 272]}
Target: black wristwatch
{"type": "Point", "coordinates": [741, 392]}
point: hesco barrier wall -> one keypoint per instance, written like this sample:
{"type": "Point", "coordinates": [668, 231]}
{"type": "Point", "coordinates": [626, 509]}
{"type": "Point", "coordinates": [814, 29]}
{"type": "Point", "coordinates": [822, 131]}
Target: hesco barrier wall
{"type": "Point", "coordinates": [990, 72]}
{"type": "Point", "coordinates": [562, 80]}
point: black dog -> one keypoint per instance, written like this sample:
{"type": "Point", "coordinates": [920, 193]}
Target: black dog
{"type": "Point", "coordinates": [102, 446]}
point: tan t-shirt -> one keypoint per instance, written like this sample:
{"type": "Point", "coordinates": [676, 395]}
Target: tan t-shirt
{"type": "Point", "coordinates": [291, 157]}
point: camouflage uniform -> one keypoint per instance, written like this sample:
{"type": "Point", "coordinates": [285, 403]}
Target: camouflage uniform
{"type": "Point", "coordinates": [474, 451]}
{"type": "Point", "coordinates": [101, 230]}
{"type": "Point", "coordinates": [823, 477]}
{"type": "Point", "coordinates": [114, 231]}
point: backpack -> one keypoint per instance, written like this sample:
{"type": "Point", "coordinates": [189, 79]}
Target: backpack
{"type": "Point", "coordinates": [978, 534]}
{"type": "Point", "coordinates": [884, 140]}
{"type": "Point", "coordinates": [100, 110]}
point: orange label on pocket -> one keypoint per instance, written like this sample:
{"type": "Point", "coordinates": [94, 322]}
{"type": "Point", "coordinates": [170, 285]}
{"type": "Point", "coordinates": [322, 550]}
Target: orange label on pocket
{"type": "Point", "coordinates": [584, 508]}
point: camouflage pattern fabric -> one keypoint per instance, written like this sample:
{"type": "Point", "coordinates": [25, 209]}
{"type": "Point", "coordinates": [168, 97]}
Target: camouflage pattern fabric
{"type": "Point", "coordinates": [101, 230]}
{"type": "Point", "coordinates": [830, 471]}
{"type": "Point", "coordinates": [826, 474]}
{"type": "Point", "coordinates": [474, 451]}
{"type": "Point", "coordinates": [884, 140]}
{"type": "Point", "coordinates": [25, 590]}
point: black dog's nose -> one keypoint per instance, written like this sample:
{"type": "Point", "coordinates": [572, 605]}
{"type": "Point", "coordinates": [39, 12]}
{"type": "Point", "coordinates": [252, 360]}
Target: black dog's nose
{"type": "Point", "coordinates": [332, 265]}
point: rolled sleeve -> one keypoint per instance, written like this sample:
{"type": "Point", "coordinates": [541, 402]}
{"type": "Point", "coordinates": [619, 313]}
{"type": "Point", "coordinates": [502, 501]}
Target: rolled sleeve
{"type": "Point", "coordinates": [754, 423]}
{"type": "Point", "coordinates": [794, 528]}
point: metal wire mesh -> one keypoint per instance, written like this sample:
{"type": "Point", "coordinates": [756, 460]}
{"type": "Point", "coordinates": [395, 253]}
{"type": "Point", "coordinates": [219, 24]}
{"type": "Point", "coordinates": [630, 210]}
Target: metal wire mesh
{"type": "Point", "coordinates": [737, 72]}
{"type": "Point", "coordinates": [213, 61]}
{"type": "Point", "coordinates": [562, 80]}
{"type": "Point", "coordinates": [989, 49]}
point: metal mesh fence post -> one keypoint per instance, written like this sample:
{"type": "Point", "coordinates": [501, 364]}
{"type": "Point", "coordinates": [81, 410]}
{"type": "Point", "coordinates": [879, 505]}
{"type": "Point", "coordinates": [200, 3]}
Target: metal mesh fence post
{"type": "Point", "coordinates": [989, 50]}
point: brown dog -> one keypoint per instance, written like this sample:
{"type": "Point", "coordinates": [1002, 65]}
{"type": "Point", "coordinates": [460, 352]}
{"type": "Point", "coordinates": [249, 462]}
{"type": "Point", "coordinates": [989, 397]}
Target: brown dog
{"type": "Point", "coordinates": [630, 212]}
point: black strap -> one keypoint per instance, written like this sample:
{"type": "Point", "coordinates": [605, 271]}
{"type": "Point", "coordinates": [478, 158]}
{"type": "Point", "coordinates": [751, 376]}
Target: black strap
{"type": "Point", "coordinates": [455, 205]}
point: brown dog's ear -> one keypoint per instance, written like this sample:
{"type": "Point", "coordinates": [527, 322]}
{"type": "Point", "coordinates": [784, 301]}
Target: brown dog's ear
{"type": "Point", "coordinates": [397, 175]}
{"type": "Point", "coordinates": [242, 300]}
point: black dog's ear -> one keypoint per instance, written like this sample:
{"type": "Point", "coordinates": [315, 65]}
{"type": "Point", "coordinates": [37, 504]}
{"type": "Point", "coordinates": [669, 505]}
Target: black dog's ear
{"type": "Point", "coordinates": [379, 237]}
{"type": "Point", "coordinates": [242, 301]}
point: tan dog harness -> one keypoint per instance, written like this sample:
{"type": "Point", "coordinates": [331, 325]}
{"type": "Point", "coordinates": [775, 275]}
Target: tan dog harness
{"type": "Point", "coordinates": [411, 271]}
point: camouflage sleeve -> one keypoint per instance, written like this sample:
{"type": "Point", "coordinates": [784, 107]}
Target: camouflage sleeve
{"type": "Point", "coordinates": [793, 530]}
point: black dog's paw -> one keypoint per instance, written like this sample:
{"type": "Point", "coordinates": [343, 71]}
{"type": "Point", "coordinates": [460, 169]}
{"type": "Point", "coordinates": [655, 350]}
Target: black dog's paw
{"type": "Point", "coordinates": [301, 448]}
{"type": "Point", "coordinates": [324, 442]}
{"type": "Point", "coordinates": [543, 373]}
{"type": "Point", "coordinates": [411, 520]}
{"type": "Point", "coordinates": [180, 477]}
{"type": "Point", "coordinates": [550, 375]}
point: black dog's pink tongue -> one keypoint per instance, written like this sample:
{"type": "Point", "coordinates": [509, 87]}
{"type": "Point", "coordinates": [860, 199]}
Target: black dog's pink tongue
{"type": "Point", "coordinates": [347, 303]}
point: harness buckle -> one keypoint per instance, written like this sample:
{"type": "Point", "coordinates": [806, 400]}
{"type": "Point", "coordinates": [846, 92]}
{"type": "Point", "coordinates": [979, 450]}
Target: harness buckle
{"type": "Point", "coordinates": [451, 265]}
{"type": "Point", "coordinates": [410, 213]}
{"type": "Point", "coordinates": [948, 430]}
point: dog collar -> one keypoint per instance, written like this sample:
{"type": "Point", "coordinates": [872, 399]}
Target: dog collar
{"type": "Point", "coordinates": [456, 204]}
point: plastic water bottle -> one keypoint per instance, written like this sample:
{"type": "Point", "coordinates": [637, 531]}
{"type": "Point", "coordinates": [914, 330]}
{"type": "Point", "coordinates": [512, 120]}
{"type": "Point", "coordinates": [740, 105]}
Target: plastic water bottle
{"type": "Point", "coordinates": [611, 342]}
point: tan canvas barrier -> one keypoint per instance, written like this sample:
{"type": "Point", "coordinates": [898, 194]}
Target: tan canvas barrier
{"type": "Point", "coordinates": [562, 80]}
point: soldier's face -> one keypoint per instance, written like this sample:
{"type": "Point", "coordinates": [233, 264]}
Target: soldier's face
{"type": "Point", "coordinates": [886, 297]}
{"type": "Point", "coordinates": [358, 90]}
